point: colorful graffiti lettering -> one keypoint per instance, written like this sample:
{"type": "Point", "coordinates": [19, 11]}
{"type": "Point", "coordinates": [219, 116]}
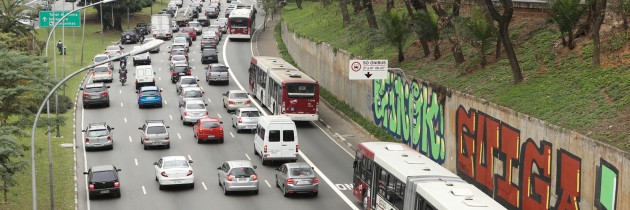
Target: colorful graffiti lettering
{"type": "Point", "coordinates": [606, 186]}
{"type": "Point", "coordinates": [410, 111]}
{"type": "Point", "coordinates": [482, 139]}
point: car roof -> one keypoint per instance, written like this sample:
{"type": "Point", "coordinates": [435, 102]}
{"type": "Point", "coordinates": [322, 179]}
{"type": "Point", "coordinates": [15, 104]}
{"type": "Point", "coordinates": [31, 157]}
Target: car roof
{"type": "Point", "coordinates": [195, 102]}
{"type": "Point", "coordinates": [217, 64]}
{"type": "Point", "coordinates": [101, 55]}
{"type": "Point", "coordinates": [239, 163]}
{"type": "Point", "coordinates": [248, 109]}
{"type": "Point", "coordinates": [97, 125]}
{"type": "Point", "coordinates": [298, 165]}
{"type": "Point", "coordinates": [169, 158]}
{"type": "Point", "coordinates": [181, 64]}
{"type": "Point", "coordinates": [100, 84]}
{"type": "Point", "coordinates": [237, 91]}
{"type": "Point", "coordinates": [103, 168]}
{"type": "Point", "coordinates": [102, 66]}
{"type": "Point", "coordinates": [148, 88]}
{"type": "Point", "coordinates": [191, 88]}
{"type": "Point", "coordinates": [187, 77]}
{"type": "Point", "coordinates": [207, 119]}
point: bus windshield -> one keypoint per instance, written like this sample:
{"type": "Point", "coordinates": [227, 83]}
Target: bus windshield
{"type": "Point", "coordinates": [297, 90]}
{"type": "Point", "coordinates": [239, 22]}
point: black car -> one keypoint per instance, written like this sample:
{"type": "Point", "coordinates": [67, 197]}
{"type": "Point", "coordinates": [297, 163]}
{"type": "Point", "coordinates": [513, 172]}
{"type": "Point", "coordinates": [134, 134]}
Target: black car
{"type": "Point", "coordinates": [212, 12]}
{"type": "Point", "coordinates": [208, 45]}
{"type": "Point", "coordinates": [209, 55]}
{"type": "Point", "coordinates": [103, 180]}
{"type": "Point", "coordinates": [143, 28]}
{"type": "Point", "coordinates": [179, 70]}
{"type": "Point", "coordinates": [129, 36]}
{"type": "Point", "coordinates": [203, 21]}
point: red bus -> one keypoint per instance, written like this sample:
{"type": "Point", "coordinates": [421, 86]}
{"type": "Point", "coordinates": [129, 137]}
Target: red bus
{"type": "Point", "coordinates": [393, 176]}
{"type": "Point", "coordinates": [241, 24]}
{"type": "Point", "coordinates": [284, 89]}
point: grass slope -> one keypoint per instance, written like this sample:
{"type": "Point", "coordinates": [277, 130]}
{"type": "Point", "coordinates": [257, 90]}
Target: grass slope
{"type": "Point", "coordinates": [20, 196]}
{"type": "Point", "coordinates": [561, 87]}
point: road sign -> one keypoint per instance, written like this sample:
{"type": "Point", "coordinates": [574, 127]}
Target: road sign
{"type": "Point", "coordinates": [367, 69]}
{"type": "Point", "coordinates": [47, 19]}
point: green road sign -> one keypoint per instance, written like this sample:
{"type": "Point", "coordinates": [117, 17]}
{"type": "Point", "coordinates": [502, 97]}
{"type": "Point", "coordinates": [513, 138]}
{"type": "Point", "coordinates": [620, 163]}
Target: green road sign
{"type": "Point", "coordinates": [47, 19]}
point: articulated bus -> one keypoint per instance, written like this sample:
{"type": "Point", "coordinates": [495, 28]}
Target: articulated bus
{"type": "Point", "coordinates": [393, 176]}
{"type": "Point", "coordinates": [284, 89]}
{"type": "Point", "coordinates": [241, 24]}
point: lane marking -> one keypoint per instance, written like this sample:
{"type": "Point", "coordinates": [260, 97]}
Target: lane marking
{"type": "Point", "coordinates": [209, 101]}
{"type": "Point", "coordinates": [268, 185]}
{"type": "Point", "coordinates": [159, 78]}
{"type": "Point", "coordinates": [189, 158]}
{"type": "Point", "coordinates": [201, 87]}
{"type": "Point", "coordinates": [247, 156]}
{"type": "Point", "coordinates": [120, 91]}
{"type": "Point", "coordinates": [219, 115]}
{"type": "Point", "coordinates": [165, 102]}
{"type": "Point", "coordinates": [325, 178]}
{"type": "Point", "coordinates": [87, 191]}
{"type": "Point", "coordinates": [344, 149]}
{"type": "Point", "coordinates": [135, 160]}
{"type": "Point", "coordinates": [231, 134]}
{"type": "Point", "coordinates": [171, 116]}
{"type": "Point", "coordinates": [196, 77]}
{"type": "Point", "coordinates": [130, 139]}
{"type": "Point", "coordinates": [121, 104]}
{"type": "Point", "coordinates": [125, 119]}
{"type": "Point", "coordinates": [144, 191]}
{"type": "Point", "coordinates": [159, 69]}
{"type": "Point", "coordinates": [204, 186]}
{"type": "Point", "coordinates": [178, 136]}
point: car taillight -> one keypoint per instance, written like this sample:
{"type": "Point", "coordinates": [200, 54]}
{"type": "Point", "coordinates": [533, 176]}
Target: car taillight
{"type": "Point", "coordinates": [167, 138]}
{"type": "Point", "coordinates": [231, 102]}
{"type": "Point", "coordinates": [185, 113]}
{"type": "Point", "coordinates": [230, 178]}
{"type": "Point", "coordinates": [86, 95]}
{"type": "Point", "coordinates": [315, 180]}
{"type": "Point", "coordinates": [254, 177]}
{"type": "Point", "coordinates": [146, 138]}
{"type": "Point", "coordinates": [93, 73]}
{"type": "Point", "coordinates": [87, 140]}
{"type": "Point", "coordinates": [109, 138]}
{"type": "Point", "coordinates": [163, 174]}
{"type": "Point", "coordinates": [296, 148]}
{"type": "Point", "coordinates": [265, 149]}
{"type": "Point", "coordinates": [136, 81]}
{"type": "Point", "coordinates": [248, 102]}
{"type": "Point", "coordinates": [240, 120]}
{"type": "Point", "coordinates": [206, 113]}
{"type": "Point", "coordinates": [104, 93]}
{"type": "Point", "coordinates": [140, 95]}
{"type": "Point", "coordinates": [109, 71]}
{"type": "Point", "coordinates": [91, 187]}
{"type": "Point", "coordinates": [289, 181]}
{"type": "Point", "coordinates": [189, 173]}
{"type": "Point", "coordinates": [188, 73]}
{"type": "Point", "coordinates": [153, 79]}
{"type": "Point", "coordinates": [116, 184]}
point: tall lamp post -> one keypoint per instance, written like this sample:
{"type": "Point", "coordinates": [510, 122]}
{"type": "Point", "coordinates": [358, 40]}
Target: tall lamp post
{"type": "Point", "coordinates": [143, 48]}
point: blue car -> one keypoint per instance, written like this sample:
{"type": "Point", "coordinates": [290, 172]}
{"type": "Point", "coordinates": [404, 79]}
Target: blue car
{"type": "Point", "coordinates": [149, 96]}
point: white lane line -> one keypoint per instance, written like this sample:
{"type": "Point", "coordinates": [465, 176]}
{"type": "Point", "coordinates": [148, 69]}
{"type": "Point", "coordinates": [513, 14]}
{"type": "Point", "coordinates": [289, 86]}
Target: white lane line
{"type": "Point", "coordinates": [231, 134]}
{"type": "Point", "coordinates": [120, 91]}
{"type": "Point", "coordinates": [135, 160]}
{"type": "Point", "coordinates": [87, 192]}
{"type": "Point", "coordinates": [162, 61]}
{"type": "Point", "coordinates": [209, 101]}
{"type": "Point", "coordinates": [189, 158]}
{"type": "Point", "coordinates": [159, 78]}
{"type": "Point", "coordinates": [268, 185]}
{"type": "Point", "coordinates": [219, 115]}
{"type": "Point", "coordinates": [179, 136]}
{"type": "Point", "coordinates": [204, 186]}
{"type": "Point", "coordinates": [171, 116]}
{"type": "Point", "coordinates": [247, 156]}
{"type": "Point", "coordinates": [330, 183]}
{"type": "Point", "coordinates": [125, 119]}
{"type": "Point", "coordinates": [130, 139]}
{"type": "Point", "coordinates": [165, 102]}
{"type": "Point", "coordinates": [200, 86]}
{"type": "Point", "coordinates": [144, 191]}
{"type": "Point", "coordinates": [121, 104]}
{"type": "Point", "coordinates": [344, 149]}
{"type": "Point", "coordinates": [196, 77]}
{"type": "Point", "coordinates": [159, 69]}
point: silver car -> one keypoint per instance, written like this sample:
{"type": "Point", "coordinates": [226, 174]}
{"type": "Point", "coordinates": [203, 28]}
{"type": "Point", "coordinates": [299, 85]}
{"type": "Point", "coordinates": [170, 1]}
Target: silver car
{"type": "Point", "coordinates": [245, 118]}
{"type": "Point", "coordinates": [102, 73]}
{"type": "Point", "coordinates": [142, 58]}
{"type": "Point", "coordinates": [186, 81]}
{"type": "Point", "coordinates": [190, 94]}
{"type": "Point", "coordinates": [101, 57]}
{"type": "Point", "coordinates": [233, 99]}
{"type": "Point", "coordinates": [154, 133]}
{"type": "Point", "coordinates": [195, 25]}
{"type": "Point", "coordinates": [294, 178]}
{"type": "Point", "coordinates": [191, 111]}
{"type": "Point", "coordinates": [238, 175]}
{"type": "Point", "coordinates": [217, 72]}
{"type": "Point", "coordinates": [98, 135]}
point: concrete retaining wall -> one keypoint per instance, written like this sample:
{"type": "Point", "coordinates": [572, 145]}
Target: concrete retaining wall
{"type": "Point", "coordinates": [521, 161]}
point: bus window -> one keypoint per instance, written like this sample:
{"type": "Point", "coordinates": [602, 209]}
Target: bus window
{"type": "Point", "coordinates": [296, 90]}
{"type": "Point", "coordinates": [239, 22]}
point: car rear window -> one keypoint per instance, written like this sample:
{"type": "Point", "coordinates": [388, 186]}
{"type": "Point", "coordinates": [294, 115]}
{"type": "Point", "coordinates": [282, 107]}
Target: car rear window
{"type": "Point", "coordinates": [97, 133]}
{"type": "Point", "coordinates": [242, 172]}
{"type": "Point", "coordinates": [250, 114]}
{"type": "Point", "coordinates": [103, 176]}
{"type": "Point", "coordinates": [93, 89]}
{"type": "Point", "coordinates": [219, 69]}
{"type": "Point", "coordinates": [274, 136]}
{"type": "Point", "coordinates": [238, 95]}
{"type": "Point", "coordinates": [189, 81]}
{"type": "Point", "coordinates": [156, 130]}
{"type": "Point", "coordinates": [210, 124]}
{"type": "Point", "coordinates": [181, 69]}
{"type": "Point", "coordinates": [101, 69]}
{"type": "Point", "coordinates": [301, 172]}
{"type": "Point", "coordinates": [195, 106]}
{"type": "Point", "coordinates": [149, 92]}
{"type": "Point", "coordinates": [193, 94]}
{"type": "Point", "coordinates": [100, 58]}
{"type": "Point", "coordinates": [179, 58]}
{"type": "Point", "coordinates": [175, 164]}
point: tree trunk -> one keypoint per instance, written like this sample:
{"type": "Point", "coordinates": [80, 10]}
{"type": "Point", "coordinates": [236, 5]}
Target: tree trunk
{"type": "Point", "coordinates": [325, 3]}
{"type": "Point", "coordinates": [369, 13]}
{"type": "Point", "coordinates": [356, 5]}
{"type": "Point", "coordinates": [118, 22]}
{"type": "Point", "coordinates": [504, 23]}
{"type": "Point", "coordinates": [452, 38]}
{"type": "Point", "coordinates": [390, 5]}
{"type": "Point", "coordinates": [343, 5]}
{"type": "Point", "coordinates": [624, 23]}
{"type": "Point", "coordinates": [401, 53]}
{"type": "Point", "coordinates": [5, 189]}
{"type": "Point", "coordinates": [571, 43]}
{"type": "Point", "coordinates": [436, 51]}
{"type": "Point", "coordinates": [599, 15]}
{"type": "Point", "coordinates": [298, 3]}
{"type": "Point", "coordinates": [497, 51]}
{"type": "Point", "coordinates": [425, 47]}
{"type": "Point", "coordinates": [419, 5]}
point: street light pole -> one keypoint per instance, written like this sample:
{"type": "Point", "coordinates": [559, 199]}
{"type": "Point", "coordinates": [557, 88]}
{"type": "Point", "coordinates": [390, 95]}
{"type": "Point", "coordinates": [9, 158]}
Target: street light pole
{"type": "Point", "coordinates": [143, 48]}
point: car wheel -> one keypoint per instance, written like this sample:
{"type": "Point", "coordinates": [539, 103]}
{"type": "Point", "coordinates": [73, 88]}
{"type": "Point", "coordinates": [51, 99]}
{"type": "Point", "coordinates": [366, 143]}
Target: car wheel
{"type": "Point", "coordinates": [277, 184]}
{"type": "Point", "coordinates": [284, 191]}
{"type": "Point", "coordinates": [255, 192]}
{"type": "Point", "coordinates": [91, 197]}
{"type": "Point", "coordinates": [192, 186]}
{"type": "Point", "coordinates": [315, 194]}
{"type": "Point", "coordinates": [85, 106]}
{"type": "Point", "coordinates": [198, 141]}
{"type": "Point", "coordinates": [224, 105]}
{"type": "Point", "coordinates": [255, 151]}
{"type": "Point", "coordinates": [168, 146]}
{"type": "Point", "coordinates": [160, 106]}
{"type": "Point", "coordinates": [145, 147]}
{"type": "Point", "coordinates": [107, 105]}
{"type": "Point", "coordinates": [219, 181]}
{"type": "Point", "coordinates": [161, 187]}
{"type": "Point", "coordinates": [227, 83]}
{"type": "Point", "coordinates": [156, 179]}
{"type": "Point", "coordinates": [118, 194]}
{"type": "Point", "coordinates": [221, 140]}
{"type": "Point", "coordinates": [225, 192]}
{"type": "Point", "coordinates": [262, 159]}
{"type": "Point", "coordinates": [111, 147]}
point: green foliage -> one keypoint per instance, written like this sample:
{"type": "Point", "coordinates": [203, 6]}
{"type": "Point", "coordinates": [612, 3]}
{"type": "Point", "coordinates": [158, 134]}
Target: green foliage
{"type": "Point", "coordinates": [617, 42]}
{"type": "Point", "coordinates": [567, 13]}
{"type": "Point", "coordinates": [620, 7]}
{"type": "Point", "coordinates": [425, 25]}
{"type": "Point", "coordinates": [12, 12]}
{"type": "Point", "coordinates": [395, 29]}
{"type": "Point", "coordinates": [587, 50]}
{"type": "Point", "coordinates": [478, 31]}
{"type": "Point", "coordinates": [11, 155]}
{"type": "Point", "coordinates": [21, 43]}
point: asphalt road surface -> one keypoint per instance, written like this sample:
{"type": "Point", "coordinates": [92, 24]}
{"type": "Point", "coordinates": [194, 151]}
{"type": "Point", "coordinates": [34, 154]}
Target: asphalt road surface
{"type": "Point", "coordinates": [138, 186]}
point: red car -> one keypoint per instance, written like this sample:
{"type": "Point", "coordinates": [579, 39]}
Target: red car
{"type": "Point", "coordinates": [209, 128]}
{"type": "Point", "coordinates": [191, 32]}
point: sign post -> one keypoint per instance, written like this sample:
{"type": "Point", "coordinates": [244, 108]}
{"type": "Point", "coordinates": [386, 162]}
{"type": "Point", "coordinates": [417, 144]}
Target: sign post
{"type": "Point", "coordinates": [47, 19]}
{"type": "Point", "coordinates": [367, 69]}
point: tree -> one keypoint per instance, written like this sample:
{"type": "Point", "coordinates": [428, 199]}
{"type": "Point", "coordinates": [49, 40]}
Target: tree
{"type": "Point", "coordinates": [119, 8]}
{"type": "Point", "coordinates": [11, 161]}
{"type": "Point", "coordinates": [356, 5]}
{"type": "Point", "coordinates": [599, 13]}
{"type": "Point", "coordinates": [425, 26]}
{"type": "Point", "coordinates": [621, 8]}
{"type": "Point", "coordinates": [423, 42]}
{"type": "Point", "coordinates": [21, 43]}
{"type": "Point", "coordinates": [343, 6]}
{"type": "Point", "coordinates": [390, 5]}
{"type": "Point", "coordinates": [369, 14]}
{"type": "Point", "coordinates": [325, 3]}
{"type": "Point", "coordinates": [446, 26]}
{"type": "Point", "coordinates": [503, 21]}
{"type": "Point", "coordinates": [395, 29]}
{"type": "Point", "coordinates": [298, 3]}
{"type": "Point", "coordinates": [567, 13]}
{"type": "Point", "coordinates": [478, 31]}
{"type": "Point", "coordinates": [13, 11]}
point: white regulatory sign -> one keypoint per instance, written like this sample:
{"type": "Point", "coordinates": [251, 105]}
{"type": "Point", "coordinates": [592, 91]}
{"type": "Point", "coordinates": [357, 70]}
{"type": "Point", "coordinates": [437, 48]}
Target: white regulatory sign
{"type": "Point", "coordinates": [367, 69]}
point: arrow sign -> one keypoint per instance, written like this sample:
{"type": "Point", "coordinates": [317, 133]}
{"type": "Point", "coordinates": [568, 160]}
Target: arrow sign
{"type": "Point", "coordinates": [368, 75]}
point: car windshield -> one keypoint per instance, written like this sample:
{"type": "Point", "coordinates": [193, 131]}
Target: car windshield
{"type": "Point", "coordinates": [99, 58]}
{"type": "Point", "coordinates": [156, 130]}
{"type": "Point", "coordinates": [179, 58]}
{"type": "Point", "coordinates": [214, 27]}
{"type": "Point", "coordinates": [149, 92]}
{"type": "Point", "coordinates": [179, 52]}
{"type": "Point", "coordinates": [193, 94]}
{"type": "Point", "coordinates": [238, 95]}
{"type": "Point", "coordinates": [193, 24]}
{"type": "Point", "coordinates": [175, 164]}
{"type": "Point", "coordinates": [242, 172]}
{"type": "Point", "coordinates": [195, 106]}
{"type": "Point", "coordinates": [101, 69]}
{"type": "Point", "coordinates": [103, 176]}
{"type": "Point", "coordinates": [189, 81]}
{"type": "Point", "coordinates": [97, 133]}
{"type": "Point", "coordinates": [219, 69]}
{"type": "Point", "coordinates": [250, 114]}
{"type": "Point", "coordinates": [210, 124]}
{"type": "Point", "coordinates": [93, 89]}
{"type": "Point", "coordinates": [302, 172]}
{"type": "Point", "coordinates": [181, 68]}
{"type": "Point", "coordinates": [180, 40]}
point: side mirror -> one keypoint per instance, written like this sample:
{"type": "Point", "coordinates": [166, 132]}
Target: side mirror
{"type": "Point", "coordinates": [139, 128]}
{"type": "Point", "coordinates": [197, 80]}
{"type": "Point", "coordinates": [221, 122]}
{"type": "Point", "coordinates": [190, 161]}
{"type": "Point", "coordinates": [81, 89]}
{"type": "Point", "coordinates": [108, 86]}
{"type": "Point", "coordinates": [154, 73]}
{"type": "Point", "coordinates": [85, 172]}
{"type": "Point", "coordinates": [155, 163]}
{"type": "Point", "coordinates": [277, 169]}
{"type": "Point", "coordinates": [218, 168]}
{"type": "Point", "coordinates": [161, 90]}
{"type": "Point", "coordinates": [82, 130]}
{"type": "Point", "coordinates": [255, 167]}
{"type": "Point", "coordinates": [136, 91]}
{"type": "Point", "coordinates": [118, 169]}
{"type": "Point", "coordinates": [168, 126]}
{"type": "Point", "coordinates": [111, 128]}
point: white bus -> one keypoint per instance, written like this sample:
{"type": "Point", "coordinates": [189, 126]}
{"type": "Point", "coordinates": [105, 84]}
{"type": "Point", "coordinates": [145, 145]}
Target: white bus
{"type": "Point", "coordinates": [393, 176]}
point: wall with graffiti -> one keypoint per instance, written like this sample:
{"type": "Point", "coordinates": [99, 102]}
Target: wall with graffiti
{"type": "Point", "coordinates": [527, 164]}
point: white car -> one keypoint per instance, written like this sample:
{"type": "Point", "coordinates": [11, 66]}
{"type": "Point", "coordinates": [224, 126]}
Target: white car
{"type": "Point", "coordinates": [178, 59]}
{"type": "Point", "coordinates": [102, 73]}
{"type": "Point", "coordinates": [192, 110]}
{"type": "Point", "coordinates": [174, 170]}
{"type": "Point", "coordinates": [179, 3]}
{"type": "Point", "coordinates": [114, 50]}
{"type": "Point", "coordinates": [101, 57]}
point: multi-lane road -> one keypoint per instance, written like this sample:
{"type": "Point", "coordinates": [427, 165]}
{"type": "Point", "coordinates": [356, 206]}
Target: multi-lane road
{"type": "Point", "coordinates": [139, 188]}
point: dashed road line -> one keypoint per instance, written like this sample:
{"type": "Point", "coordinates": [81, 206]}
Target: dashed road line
{"type": "Point", "coordinates": [144, 191]}
{"type": "Point", "coordinates": [130, 139]}
{"type": "Point", "coordinates": [135, 160]}
{"type": "Point", "coordinates": [171, 116]}
{"type": "Point", "coordinates": [179, 136]}
{"type": "Point", "coordinates": [121, 104]}
{"type": "Point", "coordinates": [189, 158]}
{"type": "Point", "coordinates": [204, 186]}
{"type": "Point", "coordinates": [209, 101]}
{"type": "Point", "coordinates": [219, 115]}
{"type": "Point", "coordinates": [268, 185]}
{"type": "Point", "coordinates": [125, 119]}
{"type": "Point", "coordinates": [231, 134]}
{"type": "Point", "coordinates": [247, 156]}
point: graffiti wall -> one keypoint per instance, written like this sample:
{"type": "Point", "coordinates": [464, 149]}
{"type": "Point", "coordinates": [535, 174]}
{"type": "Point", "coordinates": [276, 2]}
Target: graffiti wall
{"type": "Point", "coordinates": [526, 164]}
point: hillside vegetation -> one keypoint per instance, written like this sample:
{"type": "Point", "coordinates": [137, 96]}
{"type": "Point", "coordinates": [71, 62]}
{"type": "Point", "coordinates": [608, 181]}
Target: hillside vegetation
{"type": "Point", "coordinates": [560, 85]}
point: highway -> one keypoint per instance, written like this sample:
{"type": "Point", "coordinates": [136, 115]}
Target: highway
{"type": "Point", "coordinates": [138, 186]}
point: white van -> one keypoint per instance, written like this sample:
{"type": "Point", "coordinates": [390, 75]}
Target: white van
{"type": "Point", "coordinates": [145, 76]}
{"type": "Point", "coordinates": [276, 139]}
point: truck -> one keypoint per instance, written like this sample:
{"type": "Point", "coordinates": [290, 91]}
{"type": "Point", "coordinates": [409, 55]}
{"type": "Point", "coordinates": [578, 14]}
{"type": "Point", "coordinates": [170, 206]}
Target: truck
{"type": "Point", "coordinates": [161, 26]}
{"type": "Point", "coordinates": [143, 28]}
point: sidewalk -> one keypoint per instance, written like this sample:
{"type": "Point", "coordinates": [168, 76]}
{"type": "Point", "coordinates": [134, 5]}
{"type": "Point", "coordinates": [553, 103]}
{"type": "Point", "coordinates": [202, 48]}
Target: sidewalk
{"type": "Point", "coordinates": [338, 126]}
